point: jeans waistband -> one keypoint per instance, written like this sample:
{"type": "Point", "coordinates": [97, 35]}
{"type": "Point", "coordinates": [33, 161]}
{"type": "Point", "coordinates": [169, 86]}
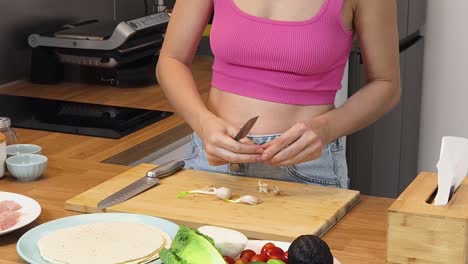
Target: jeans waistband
{"type": "Point", "coordinates": [266, 135]}
{"type": "Point", "coordinates": [262, 139]}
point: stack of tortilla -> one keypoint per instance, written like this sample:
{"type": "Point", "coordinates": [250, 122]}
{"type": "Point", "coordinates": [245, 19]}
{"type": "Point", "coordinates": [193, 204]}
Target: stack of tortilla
{"type": "Point", "coordinates": [104, 243]}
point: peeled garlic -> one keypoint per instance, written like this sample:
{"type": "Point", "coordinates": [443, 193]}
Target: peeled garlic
{"type": "Point", "coordinates": [248, 199]}
{"type": "Point", "coordinates": [223, 193]}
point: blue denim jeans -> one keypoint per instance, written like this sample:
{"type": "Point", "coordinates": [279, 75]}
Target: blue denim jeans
{"type": "Point", "coordinates": [329, 170]}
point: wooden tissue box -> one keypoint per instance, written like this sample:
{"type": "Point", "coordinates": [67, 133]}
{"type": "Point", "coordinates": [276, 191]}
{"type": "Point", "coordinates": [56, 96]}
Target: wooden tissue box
{"type": "Point", "coordinates": [419, 232]}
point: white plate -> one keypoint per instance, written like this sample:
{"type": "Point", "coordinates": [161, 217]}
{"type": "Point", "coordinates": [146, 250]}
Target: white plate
{"type": "Point", "coordinates": [30, 210]}
{"type": "Point", "coordinates": [256, 245]}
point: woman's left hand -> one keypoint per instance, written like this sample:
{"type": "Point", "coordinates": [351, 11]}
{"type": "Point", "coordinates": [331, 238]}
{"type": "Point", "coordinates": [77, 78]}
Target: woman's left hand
{"type": "Point", "coordinates": [301, 143]}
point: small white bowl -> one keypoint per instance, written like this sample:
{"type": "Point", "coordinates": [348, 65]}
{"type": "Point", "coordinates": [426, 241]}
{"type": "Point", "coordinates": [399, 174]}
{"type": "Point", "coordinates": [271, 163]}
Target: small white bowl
{"type": "Point", "coordinates": [27, 167]}
{"type": "Point", "coordinates": [18, 149]}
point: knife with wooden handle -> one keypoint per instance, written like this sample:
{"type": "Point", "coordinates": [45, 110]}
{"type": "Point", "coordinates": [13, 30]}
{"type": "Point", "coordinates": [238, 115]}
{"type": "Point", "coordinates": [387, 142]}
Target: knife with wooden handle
{"type": "Point", "coordinates": [152, 178]}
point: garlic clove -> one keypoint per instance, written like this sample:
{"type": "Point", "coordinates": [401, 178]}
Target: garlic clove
{"type": "Point", "coordinates": [249, 199]}
{"type": "Point", "coordinates": [223, 193]}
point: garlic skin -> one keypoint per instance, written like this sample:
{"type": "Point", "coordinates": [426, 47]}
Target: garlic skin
{"type": "Point", "coordinates": [262, 187]}
{"type": "Point", "coordinates": [276, 190]}
{"type": "Point", "coordinates": [265, 188]}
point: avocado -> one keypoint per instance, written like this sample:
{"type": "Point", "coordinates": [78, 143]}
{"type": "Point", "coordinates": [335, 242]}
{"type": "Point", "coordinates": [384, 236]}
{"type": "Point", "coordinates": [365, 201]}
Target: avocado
{"type": "Point", "coordinates": [275, 261]}
{"type": "Point", "coordinates": [309, 249]}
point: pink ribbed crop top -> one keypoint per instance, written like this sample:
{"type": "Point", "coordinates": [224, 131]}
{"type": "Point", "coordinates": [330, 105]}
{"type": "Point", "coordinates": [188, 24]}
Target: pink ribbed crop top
{"type": "Point", "coordinates": [290, 62]}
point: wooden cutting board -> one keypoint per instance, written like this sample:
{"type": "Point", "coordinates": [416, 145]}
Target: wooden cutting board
{"type": "Point", "coordinates": [302, 209]}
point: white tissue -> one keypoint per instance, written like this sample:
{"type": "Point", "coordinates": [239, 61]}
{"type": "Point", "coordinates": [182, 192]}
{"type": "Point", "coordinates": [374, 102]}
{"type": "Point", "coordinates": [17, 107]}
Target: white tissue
{"type": "Point", "coordinates": [452, 167]}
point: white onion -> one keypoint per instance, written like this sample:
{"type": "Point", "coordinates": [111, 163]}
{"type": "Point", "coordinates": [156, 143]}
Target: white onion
{"type": "Point", "coordinates": [230, 242]}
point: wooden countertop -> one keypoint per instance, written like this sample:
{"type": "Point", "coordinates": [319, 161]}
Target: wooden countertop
{"type": "Point", "coordinates": [123, 151]}
{"type": "Point", "coordinates": [358, 238]}
{"type": "Point", "coordinates": [76, 164]}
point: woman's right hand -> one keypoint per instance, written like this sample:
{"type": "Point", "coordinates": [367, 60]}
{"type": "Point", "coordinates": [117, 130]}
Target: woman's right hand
{"type": "Point", "coordinates": [220, 146]}
{"type": "Point", "coordinates": [183, 34]}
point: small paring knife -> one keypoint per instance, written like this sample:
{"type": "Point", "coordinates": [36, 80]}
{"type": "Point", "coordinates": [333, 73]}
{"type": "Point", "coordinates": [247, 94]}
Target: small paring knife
{"type": "Point", "coordinates": [152, 178]}
{"type": "Point", "coordinates": [246, 129]}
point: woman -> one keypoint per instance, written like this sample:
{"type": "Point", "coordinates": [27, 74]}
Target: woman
{"type": "Point", "coordinates": [283, 61]}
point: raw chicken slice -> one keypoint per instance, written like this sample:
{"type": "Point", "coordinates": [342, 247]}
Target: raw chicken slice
{"type": "Point", "coordinates": [8, 219]}
{"type": "Point", "coordinates": [9, 206]}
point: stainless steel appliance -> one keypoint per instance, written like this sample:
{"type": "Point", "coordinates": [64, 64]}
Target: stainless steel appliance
{"type": "Point", "coordinates": [116, 50]}
{"type": "Point", "coordinates": [382, 159]}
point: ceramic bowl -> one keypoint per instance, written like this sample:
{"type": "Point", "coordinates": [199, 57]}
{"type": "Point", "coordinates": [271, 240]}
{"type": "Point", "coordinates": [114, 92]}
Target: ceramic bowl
{"type": "Point", "coordinates": [18, 149]}
{"type": "Point", "coordinates": [27, 167]}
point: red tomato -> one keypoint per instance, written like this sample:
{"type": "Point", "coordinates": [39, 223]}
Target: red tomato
{"type": "Point", "coordinates": [247, 254]}
{"type": "Point", "coordinates": [279, 257]}
{"type": "Point", "coordinates": [241, 261]}
{"type": "Point", "coordinates": [274, 251]}
{"type": "Point", "coordinates": [286, 256]}
{"type": "Point", "coordinates": [259, 257]}
{"type": "Point", "coordinates": [228, 260]}
{"type": "Point", "coordinates": [266, 247]}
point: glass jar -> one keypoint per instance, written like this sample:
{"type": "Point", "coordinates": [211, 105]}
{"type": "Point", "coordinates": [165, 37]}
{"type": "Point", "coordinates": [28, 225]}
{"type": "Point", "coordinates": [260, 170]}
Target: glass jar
{"type": "Point", "coordinates": [2, 155]}
{"type": "Point", "coordinates": [9, 133]}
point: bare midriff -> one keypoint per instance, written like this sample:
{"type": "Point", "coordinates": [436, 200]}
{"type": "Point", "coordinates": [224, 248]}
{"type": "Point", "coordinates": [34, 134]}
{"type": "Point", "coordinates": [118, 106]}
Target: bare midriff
{"type": "Point", "coordinates": [274, 118]}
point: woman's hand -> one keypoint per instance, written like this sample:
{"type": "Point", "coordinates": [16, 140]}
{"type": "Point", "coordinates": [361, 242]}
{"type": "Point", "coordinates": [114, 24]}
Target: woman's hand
{"type": "Point", "coordinates": [220, 146]}
{"type": "Point", "coordinates": [301, 143]}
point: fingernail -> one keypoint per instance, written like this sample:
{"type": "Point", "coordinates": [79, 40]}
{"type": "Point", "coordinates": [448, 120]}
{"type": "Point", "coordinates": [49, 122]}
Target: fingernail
{"type": "Point", "coordinates": [264, 156]}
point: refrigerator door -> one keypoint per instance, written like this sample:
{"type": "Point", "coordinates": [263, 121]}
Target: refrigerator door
{"type": "Point", "coordinates": [382, 158]}
{"type": "Point", "coordinates": [416, 15]}
{"type": "Point", "coordinates": [411, 16]}
{"type": "Point", "coordinates": [373, 153]}
{"type": "Point", "coordinates": [359, 144]}
{"type": "Point", "coordinates": [411, 100]}
{"type": "Point", "coordinates": [402, 10]}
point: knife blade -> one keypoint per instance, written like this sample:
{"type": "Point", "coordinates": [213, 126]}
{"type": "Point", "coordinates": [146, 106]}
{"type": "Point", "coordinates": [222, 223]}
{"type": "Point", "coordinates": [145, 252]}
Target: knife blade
{"type": "Point", "coordinates": [246, 129]}
{"type": "Point", "coordinates": [152, 178]}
